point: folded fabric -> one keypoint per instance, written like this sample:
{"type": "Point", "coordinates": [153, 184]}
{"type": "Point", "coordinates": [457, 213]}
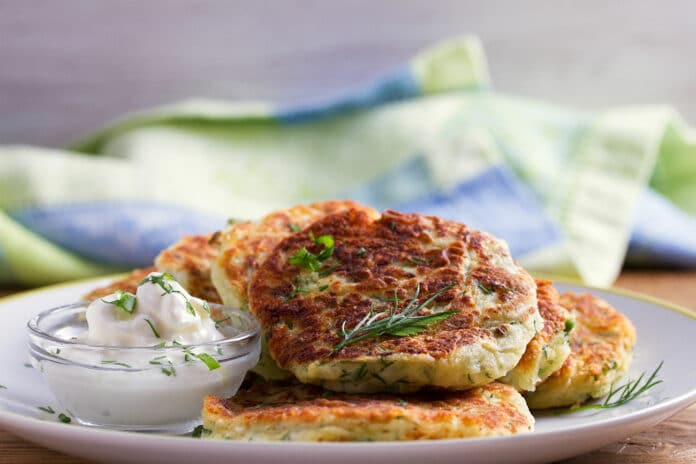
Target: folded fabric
{"type": "Point", "coordinates": [568, 190]}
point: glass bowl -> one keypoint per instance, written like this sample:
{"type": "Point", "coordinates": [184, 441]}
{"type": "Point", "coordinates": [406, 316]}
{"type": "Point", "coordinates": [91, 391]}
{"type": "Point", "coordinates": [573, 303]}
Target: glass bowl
{"type": "Point", "coordinates": [148, 388]}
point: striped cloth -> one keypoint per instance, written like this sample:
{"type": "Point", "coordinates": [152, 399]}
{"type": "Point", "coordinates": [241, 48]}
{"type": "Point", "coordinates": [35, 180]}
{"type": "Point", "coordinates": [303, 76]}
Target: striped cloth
{"type": "Point", "coordinates": [571, 192]}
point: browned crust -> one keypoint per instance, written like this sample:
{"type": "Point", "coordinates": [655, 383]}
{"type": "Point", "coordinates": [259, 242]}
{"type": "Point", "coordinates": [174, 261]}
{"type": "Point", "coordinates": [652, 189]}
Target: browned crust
{"type": "Point", "coordinates": [255, 240]}
{"type": "Point", "coordinates": [275, 403]}
{"type": "Point", "coordinates": [375, 258]}
{"type": "Point", "coordinates": [189, 260]}
{"type": "Point", "coordinates": [600, 333]}
{"type": "Point", "coordinates": [554, 316]}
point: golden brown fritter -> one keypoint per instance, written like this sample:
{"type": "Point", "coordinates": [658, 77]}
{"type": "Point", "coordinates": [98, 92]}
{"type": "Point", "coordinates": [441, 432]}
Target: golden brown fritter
{"type": "Point", "coordinates": [245, 245]}
{"type": "Point", "coordinates": [188, 260]}
{"type": "Point", "coordinates": [549, 348]}
{"type": "Point", "coordinates": [601, 352]}
{"type": "Point", "coordinates": [296, 412]}
{"type": "Point", "coordinates": [374, 262]}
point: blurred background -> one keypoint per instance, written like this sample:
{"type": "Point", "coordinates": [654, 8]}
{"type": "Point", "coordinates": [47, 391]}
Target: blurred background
{"type": "Point", "coordinates": [68, 67]}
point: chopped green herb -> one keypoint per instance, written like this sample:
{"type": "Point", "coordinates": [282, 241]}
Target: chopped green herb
{"type": "Point", "coordinates": [47, 409]}
{"type": "Point", "coordinates": [294, 227]}
{"type": "Point", "coordinates": [378, 377]}
{"type": "Point", "coordinates": [360, 373]}
{"type": "Point", "coordinates": [164, 281]}
{"type": "Point", "coordinates": [323, 287]}
{"type": "Point", "coordinates": [115, 363]}
{"type": "Point", "coordinates": [569, 325]}
{"type": "Point", "coordinates": [214, 237]}
{"type": "Point", "coordinates": [168, 371]}
{"type": "Point", "coordinates": [159, 345]}
{"type": "Point", "coordinates": [200, 431]}
{"type": "Point", "coordinates": [124, 300]}
{"type": "Point", "coordinates": [64, 419]}
{"type": "Point", "coordinates": [418, 261]}
{"type": "Point", "coordinates": [208, 360]}
{"type": "Point", "coordinates": [391, 322]}
{"type": "Point", "coordinates": [327, 394]}
{"type": "Point", "coordinates": [231, 221]}
{"type": "Point", "coordinates": [28, 365]}
{"type": "Point", "coordinates": [328, 270]}
{"type": "Point", "coordinates": [2, 387]}
{"type": "Point", "coordinates": [484, 289]}
{"type": "Point", "coordinates": [626, 392]}
{"type": "Point", "coordinates": [362, 251]}
{"type": "Point", "coordinates": [152, 327]}
{"type": "Point", "coordinates": [306, 260]}
{"type": "Point", "coordinates": [401, 402]}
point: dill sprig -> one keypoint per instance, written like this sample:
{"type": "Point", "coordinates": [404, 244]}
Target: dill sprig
{"type": "Point", "coordinates": [163, 280]}
{"type": "Point", "coordinates": [401, 324]}
{"type": "Point", "coordinates": [623, 394]}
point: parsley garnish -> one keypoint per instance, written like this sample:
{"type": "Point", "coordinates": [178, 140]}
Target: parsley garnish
{"type": "Point", "coordinates": [163, 280]}
{"type": "Point", "coordinates": [389, 322]}
{"type": "Point", "coordinates": [569, 325]}
{"type": "Point", "coordinates": [47, 409]}
{"type": "Point", "coordinates": [208, 360]}
{"type": "Point", "coordinates": [418, 261]}
{"type": "Point", "coordinates": [124, 300]}
{"type": "Point", "coordinates": [63, 418]}
{"type": "Point", "coordinates": [484, 289]}
{"type": "Point", "coordinates": [621, 395]}
{"type": "Point", "coordinates": [199, 431]}
{"type": "Point", "coordinates": [152, 327]}
{"type": "Point", "coordinates": [115, 363]}
{"type": "Point", "coordinates": [306, 260]}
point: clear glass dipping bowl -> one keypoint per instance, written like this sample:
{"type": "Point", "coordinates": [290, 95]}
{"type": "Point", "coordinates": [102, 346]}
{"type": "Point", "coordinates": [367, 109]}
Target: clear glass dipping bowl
{"type": "Point", "coordinates": [157, 389]}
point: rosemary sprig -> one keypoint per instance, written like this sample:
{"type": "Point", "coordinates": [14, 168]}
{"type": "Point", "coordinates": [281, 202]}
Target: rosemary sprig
{"type": "Point", "coordinates": [621, 395]}
{"type": "Point", "coordinates": [390, 322]}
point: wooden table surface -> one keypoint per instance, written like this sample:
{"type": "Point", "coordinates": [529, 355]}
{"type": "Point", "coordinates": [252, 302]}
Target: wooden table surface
{"type": "Point", "coordinates": [673, 441]}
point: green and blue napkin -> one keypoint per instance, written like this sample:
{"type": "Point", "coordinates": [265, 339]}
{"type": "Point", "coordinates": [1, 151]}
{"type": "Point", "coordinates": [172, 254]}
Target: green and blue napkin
{"type": "Point", "coordinates": [573, 193]}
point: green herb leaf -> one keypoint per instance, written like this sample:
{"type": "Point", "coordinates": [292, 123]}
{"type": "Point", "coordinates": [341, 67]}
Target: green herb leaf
{"type": "Point", "coordinates": [304, 259]}
{"type": "Point", "coordinates": [168, 371]}
{"type": "Point", "coordinates": [208, 360]}
{"type": "Point", "coordinates": [124, 300]}
{"type": "Point", "coordinates": [323, 287]}
{"type": "Point", "coordinates": [200, 431]}
{"type": "Point", "coordinates": [484, 289]}
{"type": "Point", "coordinates": [362, 251]}
{"type": "Point", "coordinates": [152, 327]}
{"type": "Point", "coordinates": [403, 323]}
{"type": "Point", "coordinates": [418, 261]}
{"type": "Point", "coordinates": [294, 227]}
{"type": "Point", "coordinates": [115, 363]}
{"type": "Point", "coordinates": [47, 409]}
{"type": "Point", "coordinates": [2, 387]}
{"type": "Point", "coordinates": [621, 395]}
{"type": "Point", "coordinates": [64, 419]}
{"type": "Point", "coordinates": [569, 325]}
{"type": "Point", "coordinates": [164, 281]}
{"type": "Point", "coordinates": [214, 237]}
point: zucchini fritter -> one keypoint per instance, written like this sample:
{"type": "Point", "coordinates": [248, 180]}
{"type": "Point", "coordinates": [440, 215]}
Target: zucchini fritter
{"type": "Point", "coordinates": [296, 412]}
{"type": "Point", "coordinates": [601, 352]}
{"type": "Point", "coordinates": [549, 348]}
{"type": "Point", "coordinates": [380, 265]}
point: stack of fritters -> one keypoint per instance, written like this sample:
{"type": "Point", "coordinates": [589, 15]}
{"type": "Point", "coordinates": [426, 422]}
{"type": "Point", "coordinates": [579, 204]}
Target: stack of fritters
{"type": "Point", "coordinates": [312, 274]}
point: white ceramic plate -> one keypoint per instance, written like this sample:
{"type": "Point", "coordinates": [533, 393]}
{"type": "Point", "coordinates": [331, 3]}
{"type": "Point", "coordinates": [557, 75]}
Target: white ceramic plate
{"type": "Point", "coordinates": [664, 333]}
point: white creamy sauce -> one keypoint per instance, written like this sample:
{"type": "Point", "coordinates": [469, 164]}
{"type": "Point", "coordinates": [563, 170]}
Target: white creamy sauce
{"type": "Point", "coordinates": [144, 388]}
{"type": "Point", "coordinates": [168, 313]}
